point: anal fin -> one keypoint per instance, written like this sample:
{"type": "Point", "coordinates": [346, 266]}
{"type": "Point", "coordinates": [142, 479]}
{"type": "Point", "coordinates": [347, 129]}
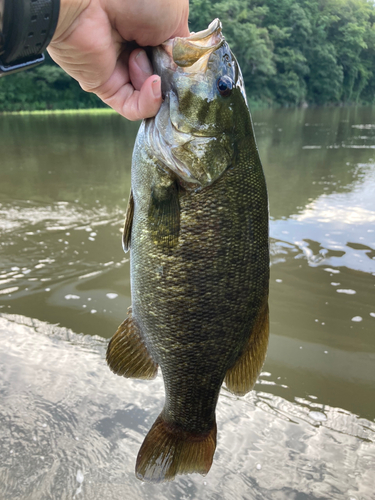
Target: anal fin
{"type": "Point", "coordinates": [241, 378]}
{"type": "Point", "coordinates": [127, 354]}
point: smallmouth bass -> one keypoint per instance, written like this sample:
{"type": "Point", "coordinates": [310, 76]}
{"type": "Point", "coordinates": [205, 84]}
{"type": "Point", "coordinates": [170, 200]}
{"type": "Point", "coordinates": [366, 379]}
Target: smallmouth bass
{"type": "Point", "coordinates": [197, 229]}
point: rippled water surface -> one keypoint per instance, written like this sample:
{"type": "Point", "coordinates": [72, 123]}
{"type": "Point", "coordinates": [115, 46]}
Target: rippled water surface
{"type": "Point", "coordinates": [69, 428]}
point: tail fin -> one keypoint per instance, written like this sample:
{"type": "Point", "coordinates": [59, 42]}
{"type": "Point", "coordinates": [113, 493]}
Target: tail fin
{"type": "Point", "coordinates": [167, 451]}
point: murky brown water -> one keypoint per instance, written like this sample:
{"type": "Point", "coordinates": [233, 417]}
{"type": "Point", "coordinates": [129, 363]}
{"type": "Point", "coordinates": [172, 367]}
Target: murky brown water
{"type": "Point", "coordinates": [70, 428]}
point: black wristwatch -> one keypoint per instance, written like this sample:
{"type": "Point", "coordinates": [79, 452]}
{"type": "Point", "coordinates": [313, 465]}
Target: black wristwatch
{"type": "Point", "coordinates": [26, 28]}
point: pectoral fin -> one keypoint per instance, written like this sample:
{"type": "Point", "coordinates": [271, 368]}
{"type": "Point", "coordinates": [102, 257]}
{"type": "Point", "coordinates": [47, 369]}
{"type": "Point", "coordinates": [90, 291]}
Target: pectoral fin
{"type": "Point", "coordinates": [127, 354]}
{"type": "Point", "coordinates": [126, 235]}
{"type": "Point", "coordinates": [164, 214]}
{"type": "Point", "coordinates": [241, 378]}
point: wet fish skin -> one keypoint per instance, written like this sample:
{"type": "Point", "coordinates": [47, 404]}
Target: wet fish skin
{"type": "Point", "coordinates": [198, 234]}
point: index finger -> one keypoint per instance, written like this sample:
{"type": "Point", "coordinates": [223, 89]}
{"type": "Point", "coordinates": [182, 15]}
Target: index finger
{"type": "Point", "coordinates": [119, 93]}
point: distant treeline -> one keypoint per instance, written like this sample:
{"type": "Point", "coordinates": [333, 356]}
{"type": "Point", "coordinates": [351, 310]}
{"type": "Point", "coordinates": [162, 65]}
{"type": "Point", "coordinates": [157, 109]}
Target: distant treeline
{"type": "Point", "coordinates": [299, 51]}
{"type": "Point", "coordinates": [291, 52]}
{"type": "Point", "coordinates": [45, 87]}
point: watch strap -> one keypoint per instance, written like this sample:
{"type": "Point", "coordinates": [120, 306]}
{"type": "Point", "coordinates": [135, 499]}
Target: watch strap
{"type": "Point", "coordinates": [28, 27]}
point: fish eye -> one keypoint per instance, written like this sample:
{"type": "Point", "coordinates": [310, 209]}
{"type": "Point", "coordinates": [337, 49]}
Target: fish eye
{"type": "Point", "coordinates": [224, 85]}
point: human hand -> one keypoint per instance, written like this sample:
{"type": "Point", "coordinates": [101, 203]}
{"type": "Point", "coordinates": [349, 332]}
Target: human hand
{"type": "Point", "coordinates": [90, 44]}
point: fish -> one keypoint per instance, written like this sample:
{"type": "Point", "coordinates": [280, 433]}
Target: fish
{"type": "Point", "coordinates": [196, 226]}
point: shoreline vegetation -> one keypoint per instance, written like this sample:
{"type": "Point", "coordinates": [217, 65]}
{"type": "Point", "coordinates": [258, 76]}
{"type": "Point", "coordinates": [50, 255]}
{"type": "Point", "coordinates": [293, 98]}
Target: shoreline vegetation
{"type": "Point", "coordinates": [293, 53]}
{"type": "Point", "coordinates": [107, 110]}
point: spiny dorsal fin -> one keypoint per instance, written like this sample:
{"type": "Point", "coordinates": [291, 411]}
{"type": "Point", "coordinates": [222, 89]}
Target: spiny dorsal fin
{"type": "Point", "coordinates": [127, 354]}
{"type": "Point", "coordinates": [164, 215]}
{"type": "Point", "coordinates": [126, 235]}
{"type": "Point", "coordinates": [241, 378]}
{"type": "Point", "coordinates": [168, 451]}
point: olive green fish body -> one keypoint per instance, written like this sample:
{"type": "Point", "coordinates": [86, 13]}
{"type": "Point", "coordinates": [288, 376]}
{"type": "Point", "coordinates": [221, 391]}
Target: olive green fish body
{"type": "Point", "coordinates": [196, 303]}
{"type": "Point", "coordinates": [197, 228]}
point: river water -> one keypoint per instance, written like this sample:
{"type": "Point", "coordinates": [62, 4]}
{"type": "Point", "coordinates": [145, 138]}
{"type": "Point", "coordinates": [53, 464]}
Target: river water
{"type": "Point", "coordinates": [69, 428]}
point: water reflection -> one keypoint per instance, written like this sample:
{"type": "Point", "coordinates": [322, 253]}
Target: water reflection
{"type": "Point", "coordinates": [72, 429]}
{"type": "Point", "coordinates": [338, 228]}
{"type": "Point", "coordinates": [308, 429]}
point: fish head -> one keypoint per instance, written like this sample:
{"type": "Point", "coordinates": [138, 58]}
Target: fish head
{"type": "Point", "coordinates": [195, 132]}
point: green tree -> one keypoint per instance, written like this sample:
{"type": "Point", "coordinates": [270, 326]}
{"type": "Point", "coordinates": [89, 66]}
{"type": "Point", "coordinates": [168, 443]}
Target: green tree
{"type": "Point", "coordinates": [44, 87]}
{"type": "Point", "coordinates": [290, 52]}
{"type": "Point", "coordinates": [248, 39]}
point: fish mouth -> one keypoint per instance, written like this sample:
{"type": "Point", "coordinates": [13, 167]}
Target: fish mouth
{"type": "Point", "coordinates": [193, 51]}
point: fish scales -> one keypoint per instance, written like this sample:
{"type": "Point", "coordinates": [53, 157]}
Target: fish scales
{"type": "Point", "coordinates": [199, 279]}
{"type": "Point", "coordinates": [208, 293]}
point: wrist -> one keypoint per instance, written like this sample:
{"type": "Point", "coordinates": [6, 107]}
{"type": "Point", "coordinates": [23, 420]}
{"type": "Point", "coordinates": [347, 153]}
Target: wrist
{"type": "Point", "coordinates": [70, 10]}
